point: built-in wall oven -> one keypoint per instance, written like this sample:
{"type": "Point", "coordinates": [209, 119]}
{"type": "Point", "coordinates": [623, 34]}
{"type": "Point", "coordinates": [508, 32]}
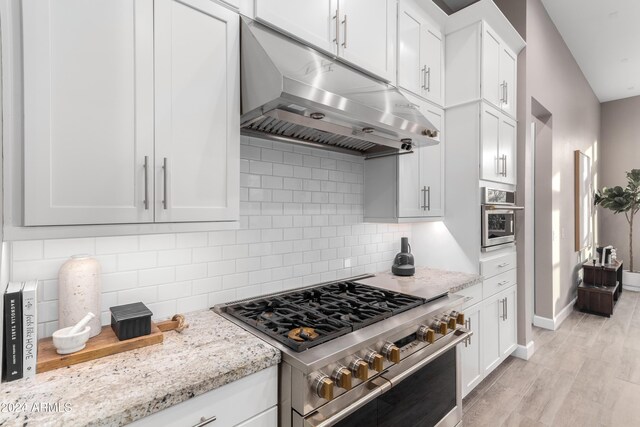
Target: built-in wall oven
{"type": "Point", "coordinates": [498, 218]}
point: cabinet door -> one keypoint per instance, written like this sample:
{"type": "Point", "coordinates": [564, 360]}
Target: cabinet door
{"type": "Point", "coordinates": [432, 166]}
{"type": "Point", "coordinates": [491, 315]}
{"type": "Point", "coordinates": [508, 73]}
{"type": "Point", "coordinates": [88, 111]}
{"type": "Point", "coordinates": [368, 35]}
{"type": "Point", "coordinates": [508, 338]}
{"type": "Point", "coordinates": [471, 364]}
{"type": "Point", "coordinates": [507, 149]}
{"type": "Point", "coordinates": [432, 53]}
{"type": "Point", "coordinates": [311, 21]}
{"type": "Point", "coordinates": [491, 89]}
{"type": "Point", "coordinates": [490, 167]}
{"type": "Point", "coordinates": [197, 111]}
{"type": "Point", "coordinates": [410, 194]}
{"type": "Point", "coordinates": [410, 74]}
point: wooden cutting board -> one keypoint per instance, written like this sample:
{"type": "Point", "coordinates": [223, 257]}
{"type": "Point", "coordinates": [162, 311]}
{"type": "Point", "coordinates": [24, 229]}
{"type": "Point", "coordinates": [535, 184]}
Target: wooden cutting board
{"type": "Point", "coordinates": [104, 344]}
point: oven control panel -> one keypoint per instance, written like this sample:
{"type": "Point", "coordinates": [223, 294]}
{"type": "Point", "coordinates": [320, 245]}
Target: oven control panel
{"type": "Point", "coordinates": [340, 377]}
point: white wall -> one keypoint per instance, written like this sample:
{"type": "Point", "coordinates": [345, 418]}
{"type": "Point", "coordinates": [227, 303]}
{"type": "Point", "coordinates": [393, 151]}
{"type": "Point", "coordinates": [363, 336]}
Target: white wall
{"type": "Point", "coordinates": [301, 223]}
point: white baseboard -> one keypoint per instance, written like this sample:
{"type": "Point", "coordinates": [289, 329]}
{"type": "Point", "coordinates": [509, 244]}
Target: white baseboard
{"type": "Point", "coordinates": [553, 324]}
{"type": "Point", "coordinates": [525, 351]}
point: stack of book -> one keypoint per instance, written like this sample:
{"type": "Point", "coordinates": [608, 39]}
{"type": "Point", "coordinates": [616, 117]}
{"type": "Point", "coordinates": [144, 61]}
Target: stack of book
{"type": "Point", "coordinates": [20, 328]}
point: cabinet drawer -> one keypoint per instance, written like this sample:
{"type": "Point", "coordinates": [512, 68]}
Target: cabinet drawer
{"type": "Point", "coordinates": [231, 404]}
{"type": "Point", "coordinates": [472, 295]}
{"type": "Point", "coordinates": [498, 283]}
{"type": "Point", "coordinates": [492, 266]}
{"type": "Point", "coordinates": [268, 418]}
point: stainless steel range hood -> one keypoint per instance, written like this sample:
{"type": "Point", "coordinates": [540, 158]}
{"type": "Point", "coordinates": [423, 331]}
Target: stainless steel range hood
{"type": "Point", "coordinates": [293, 93]}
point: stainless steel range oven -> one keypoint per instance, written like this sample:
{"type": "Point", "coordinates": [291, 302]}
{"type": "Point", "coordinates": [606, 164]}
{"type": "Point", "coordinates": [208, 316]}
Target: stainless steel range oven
{"type": "Point", "coordinates": [498, 218]}
{"type": "Point", "coordinates": [362, 352]}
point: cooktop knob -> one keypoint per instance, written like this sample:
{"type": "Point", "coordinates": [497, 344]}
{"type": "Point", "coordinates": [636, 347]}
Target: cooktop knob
{"type": "Point", "coordinates": [323, 386]}
{"type": "Point", "coordinates": [453, 321]}
{"type": "Point", "coordinates": [375, 361]}
{"type": "Point", "coordinates": [360, 369]}
{"type": "Point", "coordinates": [459, 317]}
{"type": "Point", "coordinates": [391, 352]}
{"type": "Point", "coordinates": [426, 334]}
{"type": "Point", "coordinates": [342, 377]}
{"type": "Point", "coordinates": [440, 327]}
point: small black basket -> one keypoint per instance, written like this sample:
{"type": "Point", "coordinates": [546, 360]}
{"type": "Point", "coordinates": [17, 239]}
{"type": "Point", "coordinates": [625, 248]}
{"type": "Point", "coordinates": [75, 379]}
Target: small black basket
{"type": "Point", "coordinates": [131, 320]}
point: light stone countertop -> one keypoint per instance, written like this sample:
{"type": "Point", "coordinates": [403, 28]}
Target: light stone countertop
{"type": "Point", "coordinates": [119, 389]}
{"type": "Point", "coordinates": [425, 282]}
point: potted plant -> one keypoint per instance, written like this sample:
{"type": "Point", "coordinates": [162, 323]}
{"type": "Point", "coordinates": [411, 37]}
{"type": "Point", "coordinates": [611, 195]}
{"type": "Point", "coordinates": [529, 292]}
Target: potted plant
{"type": "Point", "coordinates": [624, 200]}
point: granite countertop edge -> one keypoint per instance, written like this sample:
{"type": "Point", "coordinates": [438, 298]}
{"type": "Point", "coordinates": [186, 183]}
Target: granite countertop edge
{"type": "Point", "coordinates": [212, 353]}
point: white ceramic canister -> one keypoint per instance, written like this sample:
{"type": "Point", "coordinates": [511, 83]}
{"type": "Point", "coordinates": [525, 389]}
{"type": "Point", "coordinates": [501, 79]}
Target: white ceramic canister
{"type": "Point", "coordinates": [79, 291]}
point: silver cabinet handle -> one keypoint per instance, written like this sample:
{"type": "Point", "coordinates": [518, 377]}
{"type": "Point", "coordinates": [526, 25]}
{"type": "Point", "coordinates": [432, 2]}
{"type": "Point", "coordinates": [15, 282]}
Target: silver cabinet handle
{"type": "Point", "coordinates": [467, 324]}
{"type": "Point", "coordinates": [506, 92]}
{"type": "Point", "coordinates": [466, 299]}
{"type": "Point", "coordinates": [502, 93]}
{"type": "Point", "coordinates": [146, 183]}
{"type": "Point", "coordinates": [344, 41]}
{"type": "Point", "coordinates": [165, 166]}
{"type": "Point", "coordinates": [337, 18]}
{"type": "Point", "coordinates": [504, 264]}
{"type": "Point", "coordinates": [505, 164]}
{"type": "Point", "coordinates": [428, 79]}
{"type": "Point", "coordinates": [506, 313]}
{"type": "Point", "coordinates": [424, 198]}
{"type": "Point", "coordinates": [502, 316]}
{"type": "Point", "coordinates": [428, 198]}
{"type": "Point", "coordinates": [504, 282]}
{"type": "Point", "coordinates": [204, 421]}
{"type": "Point", "coordinates": [424, 77]}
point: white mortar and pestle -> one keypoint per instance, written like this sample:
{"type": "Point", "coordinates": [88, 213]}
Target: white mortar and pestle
{"type": "Point", "coordinates": [74, 338]}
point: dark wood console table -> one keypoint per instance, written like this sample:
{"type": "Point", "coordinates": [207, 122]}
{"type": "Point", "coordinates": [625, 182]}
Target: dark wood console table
{"type": "Point", "coordinates": [601, 288]}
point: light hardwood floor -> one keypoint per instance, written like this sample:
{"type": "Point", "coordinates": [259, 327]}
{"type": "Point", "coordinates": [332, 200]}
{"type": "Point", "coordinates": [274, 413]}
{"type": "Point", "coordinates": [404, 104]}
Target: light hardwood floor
{"type": "Point", "coordinates": [587, 373]}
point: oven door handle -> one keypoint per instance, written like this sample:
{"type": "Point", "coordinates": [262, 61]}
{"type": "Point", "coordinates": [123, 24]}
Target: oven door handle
{"type": "Point", "coordinates": [461, 335]}
{"type": "Point", "coordinates": [503, 208]}
{"type": "Point", "coordinates": [381, 386]}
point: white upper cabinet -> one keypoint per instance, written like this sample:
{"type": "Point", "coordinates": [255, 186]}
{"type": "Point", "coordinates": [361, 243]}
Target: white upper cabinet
{"type": "Point", "coordinates": [368, 35]}
{"type": "Point", "coordinates": [498, 72]}
{"type": "Point", "coordinates": [498, 146]}
{"type": "Point", "coordinates": [103, 110]}
{"type": "Point", "coordinates": [410, 187]}
{"type": "Point", "coordinates": [315, 22]}
{"type": "Point", "coordinates": [360, 32]}
{"type": "Point", "coordinates": [197, 111]}
{"type": "Point", "coordinates": [88, 111]}
{"type": "Point", "coordinates": [420, 55]}
{"type": "Point", "coordinates": [480, 65]}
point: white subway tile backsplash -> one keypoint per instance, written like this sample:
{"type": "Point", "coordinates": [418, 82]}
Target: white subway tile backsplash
{"type": "Point", "coordinates": [119, 281]}
{"type": "Point", "coordinates": [156, 276]}
{"type": "Point", "coordinates": [301, 218]}
{"type": "Point", "coordinates": [27, 250]}
{"type": "Point", "coordinates": [116, 245]}
{"type": "Point", "coordinates": [137, 261]}
{"type": "Point", "coordinates": [174, 290]}
{"type": "Point", "coordinates": [157, 242]}
{"type": "Point", "coordinates": [64, 248]}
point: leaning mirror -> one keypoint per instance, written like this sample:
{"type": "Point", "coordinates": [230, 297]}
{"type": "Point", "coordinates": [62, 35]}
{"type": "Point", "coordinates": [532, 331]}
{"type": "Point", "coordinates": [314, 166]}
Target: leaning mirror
{"type": "Point", "coordinates": [583, 201]}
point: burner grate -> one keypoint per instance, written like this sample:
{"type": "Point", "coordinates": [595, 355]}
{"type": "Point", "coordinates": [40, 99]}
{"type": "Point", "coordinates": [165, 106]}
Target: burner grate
{"type": "Point", "coordinates": [330, 310]}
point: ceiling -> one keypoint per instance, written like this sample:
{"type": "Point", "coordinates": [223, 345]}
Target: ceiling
{"type": "Point", "coordinates": [604, 38]}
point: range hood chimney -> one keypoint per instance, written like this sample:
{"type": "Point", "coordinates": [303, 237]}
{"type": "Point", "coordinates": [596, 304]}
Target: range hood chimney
{"type": "Point", "coordinates": [293, 93]}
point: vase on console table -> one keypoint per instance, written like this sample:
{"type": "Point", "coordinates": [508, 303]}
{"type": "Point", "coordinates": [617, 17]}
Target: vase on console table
{"type": "Point", "coordinates": [79, 290]}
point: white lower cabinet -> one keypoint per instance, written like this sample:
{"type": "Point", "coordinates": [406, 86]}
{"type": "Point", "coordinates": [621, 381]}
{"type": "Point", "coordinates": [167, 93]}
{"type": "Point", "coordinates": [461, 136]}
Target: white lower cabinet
{"type": "Point", "coordinates": [490, 312]}
{"type": "Point", "coordinates": [472, 372]}
{"type": "Point", "coordinates": [248, 402]}
{"type": "Point", "coordinates": [498, 328]}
